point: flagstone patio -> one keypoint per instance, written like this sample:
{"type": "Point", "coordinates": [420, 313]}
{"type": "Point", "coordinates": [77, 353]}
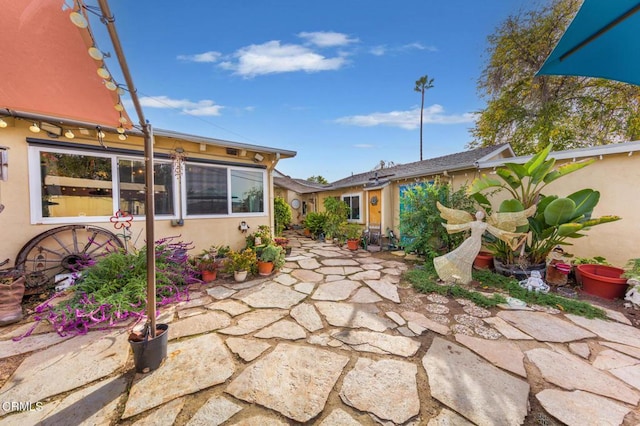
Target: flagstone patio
{"type": "Point", "coordinates": [334, 338]}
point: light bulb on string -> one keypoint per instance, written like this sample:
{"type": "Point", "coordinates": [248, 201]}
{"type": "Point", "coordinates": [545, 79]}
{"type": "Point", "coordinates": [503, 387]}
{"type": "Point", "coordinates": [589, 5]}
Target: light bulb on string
{"type": "Point", "coordinates": [78, 19]}
{"type": "Point", "coordinates": [69, 134]}
{"type": "Point", "coordinates": [123, 120]}
{"type": "Point", "coordinates": [119, 107]}
{"type": "Point", "coordinates": [96, 53]}
{"type": "Point", "coordinates": [110, 85]}
{"type": "Point", "coordinates": [122, 137]}
{"type": "Point", "coordinates": [34, 128]}
{"type": "Point", "coordinates": [120, 130]}
{"type": "Point", "coordinates": [3, 124]}
{"type": "Point", "coordinates": [103, 73]}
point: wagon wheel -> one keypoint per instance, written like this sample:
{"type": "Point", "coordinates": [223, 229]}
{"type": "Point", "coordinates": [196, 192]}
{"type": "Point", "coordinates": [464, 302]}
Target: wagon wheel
{"type": "Point", "coordinates": [58, 250]}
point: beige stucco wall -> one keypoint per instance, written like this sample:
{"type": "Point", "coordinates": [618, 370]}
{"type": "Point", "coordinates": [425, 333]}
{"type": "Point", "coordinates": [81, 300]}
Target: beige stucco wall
{"type": "Point", "coordinates": [16, 229]}
{"type": "Point", "coordinates": [297, 218]}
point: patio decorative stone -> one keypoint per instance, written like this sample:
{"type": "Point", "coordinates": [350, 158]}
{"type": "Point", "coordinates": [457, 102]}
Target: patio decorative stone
{"type": "Point", "coordinates": [570, 372]}
{"type": "Point", "coordinates": [339, 417]}
{"type": "Point", "coordinates": [331, 270]}
{"type": "Point", "coordinates": [215, 411]}
{"type": "Point", "coordinates": [231, 307]}
{"type": "Point", "coordinates": [329, 278]}
{"type": "Point", "coordinates": [96, 404]}
{"type": "Point", "coordinates": [406, 331]}
{"type": "Point", "coordinates": [247, 349]}
{"type": "Point", "coordinates": [616, 316]}
{"type": "Point", "coordinates": [366, 275]}
{"type": "Point", "coordinates": [326, 252]}
{"type": "Point", "coordinates": [46, 373]}
{"type": "Point", "coordinates": [477, 311]}
{"type": "Point", "coordinates": [348, 270]}
{"type": "Point", "coordinates": [193, 302]}
{"type": "Point", "coordinates": [367, 386]}
{"type": "Point", "coordinates": [219, 292]}
{"type": "Point", "coordinates": [614, 332]}
{"type": "Point", "coordinates": [503, 354]}
{"type": "Point", "coordinates": [487, 332]}
{"type": "Point", "coordinates": [198, 324]}
{"type": "Point", "coordinates": [441, 319]}
{"type": "Point", "coordinates": [336, 290]}
{"type": "Point", "coordinates": [273, 295]}
{"type": "Point", "coordinates": [260, 420]}
{"type": "Point", "coordinates": [365, 295]}
{"type": "Point", "coordinates": [367, 260]}
{"type": "Point", "coordinates": [392, 271]}
{"type": "Point", "coordinates": [424, 322]}
{"type": "Point", "coordinates": [437, 298]}
{"type": "Point", "coordinates": [396, 317]}
{"type": "Point", "coordinates": [581, 408]}
{"type": "Point", "coordinates": [395, 264]}
{"type": "Point", "coordinates": [625, 349]}
{"type": "Point", "coordinates": [305, 288]}
{"type": "Point", "coordinates": [339, 262]}
{"type": "Point", "coordinates": [299, 390]}
{"type": "Point", "coordinates": [29, 344]}
{"type": "Point", "coordinates": [580, 349]}
{"type": "Point", "coordinates": [307, 276]}
{"type": "Point", "coordinates": [252, 321]}
{"type": "Point", "coordinates": [368, 341]}
{"type": "Point", "coordinates": [351, 315]}
{"type": "Point", "coordinates": [544, 327]}
{"type": "Point", "coordinates": [610, 359]}
{"type": "Point", "coordinates": [307, 316]}
{"type": "Point", "coordinates": [285, 279]}
{"type": "Point", "coordinates": [447, 417]}
{"type": "Point", "coordinates": [507, 330]}
{"type": "Point", "coordinates": [283, 329]}
{"type": "Point", "coordinates": [203, 359]}
{"type": "Point", "coordinates": [385, 289]}
{"type": "Point", "coordinates": [462, 329]}
{"type": "Point", "coordinates": [191, 312]}
{"type": "Point", "coordinates": [372, 267]}
{"type": "Point", "coordinates": [165, 415]}
{"type": "Point", "coordinates": [435, 308]}
{"type": "Point", "coordinates": [474, 388]}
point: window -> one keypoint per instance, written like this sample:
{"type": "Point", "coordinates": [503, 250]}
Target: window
{"type": "Point", "coordinates": [206, 190]}
{"type": "Point", "coordinates": [81, 186]}
{"type": "Point", "coordinates": [353, 201]}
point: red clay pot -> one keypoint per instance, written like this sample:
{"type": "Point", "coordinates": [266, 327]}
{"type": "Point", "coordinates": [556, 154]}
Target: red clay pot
{"type": "Point", "coordinates": [208, 276]}
{"type": "Point", "coordinates": [353, 244]}
{"type": "Point", "coordinates": [603, 281]}
{"type": "Point", "coordinates": [265, 268]}
{"type": "Point", "coordinates": [484, 260]}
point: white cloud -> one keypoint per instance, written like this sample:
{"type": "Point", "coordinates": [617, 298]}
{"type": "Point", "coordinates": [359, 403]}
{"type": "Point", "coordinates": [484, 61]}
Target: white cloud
{"type": "Point", "coordinates": [418, 46]}
{"type": "Point", "coordinates": [408, 120]}
{"type": "Point", "coordinates": [383, 49]}
{"type": "Point", "coordinates": [202, 108]}
{"type": "Point", "coordinates": [378, 50]}
{"type": "Point", "coordinates": [272, 57]}
{"type": "Point", "coordinates": [210, 56]}
{"type": "Point", "coordinates": [363, 145]}
{"type": "Point", "coordinates": [327, 38]}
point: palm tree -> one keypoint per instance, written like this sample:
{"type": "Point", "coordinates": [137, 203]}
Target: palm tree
{"type": "Point", "coordinates": [422, 84]}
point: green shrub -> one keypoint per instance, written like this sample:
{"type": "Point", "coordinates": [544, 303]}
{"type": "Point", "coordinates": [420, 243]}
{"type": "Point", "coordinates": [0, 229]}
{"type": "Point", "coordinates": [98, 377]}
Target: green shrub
{"type": "Point", "coordinates": [282, 214]}
{"type": "Point", "coordinates": [315, 222]}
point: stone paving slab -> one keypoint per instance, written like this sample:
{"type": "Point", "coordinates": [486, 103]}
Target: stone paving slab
{"type": "Point", "coordinates": [625, 349]}
{"type": "Point", "coordinates": [580, 408]}
{"type": "Point", "coordinates": [253, 321]}
{"type": "Point", "coordinates": [351, 315]}
{"type": "Point", "coordinates": [339, 417]}
{"type": "Point", "coordinates": [271, 295]}
{"type": "Point", "coordinates": [365, 295]}
{"type": "Point", "coordinates": [231, 307]}
{"type": "Point", "coordinates": [474, 388]}
{"type": "Point", "coordinates": [503, 354]}
{"type": "Point", "coordinates": [610, 359]}
{"type": "Point", "coordinates": [629, 375]}
{"type": "Point", "coordinates": [198, 324]}
{"type": "Point", "coordinates": [247, 349]}
{"type": "Point", "coordinates": [369, 341]}
{"type": "Point", "coordinates": [614, 332]}
{"type": "Point", "coordinates": [507, 330]}
{"type": "Point", "coordinates": [367, 388]}
{"type": "Point", "coordinates": [424, 323]}
{"type": "Point", "coordinates": [283, 329]}
{"type": "Point", "coordinates": [385, 289]}
{"type": "Point", "coordinates": [220, 292]}
{"type": "Point", "coordinates": [544, 327]}
{"type": "Point", "coordinates": [29, 344]}
{"type": "Point", "coordinates": [447, 417]}
{"type": "Point", "coordinates": [215, 411]}
{"type": "Point", "coordinates": [91, 357]}
{"type": "Point", "coordinates": [204, 360]}
{"type": "Point", "coordinates": [163, 416]}
{"type": "Point", "coordinates": [307, 316]}
{"type": "Point", "coordinates": [335, 290]}
{"type": "Point", "coordinates": [570, 372]}
{"type": "Point", "coordinates": [293, 380]}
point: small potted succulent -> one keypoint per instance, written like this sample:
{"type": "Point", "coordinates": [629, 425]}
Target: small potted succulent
{"type": "Point", "coordinates": [271, 258]}
{"type": "Point", "coordinates": [284, 243]}
{"type": "Point", "coordinates": [208, 264]}
{"type": "Point", "coordinates": [352, 233]}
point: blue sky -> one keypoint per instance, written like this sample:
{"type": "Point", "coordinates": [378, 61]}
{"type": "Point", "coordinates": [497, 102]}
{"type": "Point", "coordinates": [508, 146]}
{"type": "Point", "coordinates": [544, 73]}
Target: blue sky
{"type": "Point", "coordinates": [332, 80]}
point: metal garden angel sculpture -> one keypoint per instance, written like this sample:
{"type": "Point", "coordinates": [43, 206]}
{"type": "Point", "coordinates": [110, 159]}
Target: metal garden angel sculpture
{"type": "Point", "coordinates": [456, 265]}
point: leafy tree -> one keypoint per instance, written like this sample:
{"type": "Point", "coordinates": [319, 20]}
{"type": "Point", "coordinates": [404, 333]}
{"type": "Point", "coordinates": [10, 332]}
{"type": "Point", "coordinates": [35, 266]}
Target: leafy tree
{"type": "Point", "coordinates": [422, 84]}
{"type": "Point", "coordinates": [318, 179]}
{"type": "Point", "coordinates": [421, 223]}
{"type": "Point", "coordinates": [531, 112]}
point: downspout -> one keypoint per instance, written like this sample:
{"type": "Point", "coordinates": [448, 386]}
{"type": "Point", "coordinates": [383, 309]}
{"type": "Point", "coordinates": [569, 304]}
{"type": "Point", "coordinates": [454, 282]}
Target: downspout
{"type": "Point", "coordinates": [109, 21]}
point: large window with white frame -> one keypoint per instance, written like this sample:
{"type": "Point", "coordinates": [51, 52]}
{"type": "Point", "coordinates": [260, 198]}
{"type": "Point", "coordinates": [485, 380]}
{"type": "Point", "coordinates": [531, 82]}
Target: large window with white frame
{"type": "Point", "coordinates": [84, 186]}
{"type": "Point", "coordinates": [354, 201]}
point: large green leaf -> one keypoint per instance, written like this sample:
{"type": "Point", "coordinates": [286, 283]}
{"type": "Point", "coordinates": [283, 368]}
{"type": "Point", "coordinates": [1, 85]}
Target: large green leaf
{"type": "Point", "coordinates": [600, 220]}
{"type": "Point", "coordinates": [511, 206]}
{"type": "Point", "coordinates": [540, 172]}
{"type": "Point", "coordinates": [537, 159]}
{"type": "Point", "coordinates": [509, 177]}
{"type": "Point", "coordinates": [544, 202]}
{"type": "Point", "coordinates": [559, 211]}
{"type": "Point", "coordinates": [565, 169]}
{"type": "Point", "coordinates": [518, 169]}
{"type": "Point", "coordinates": [482, 183]}
{"type": "Point", "coordinates": [482, 200]}
{"type": "Point", "coordinates": [567, 229]}
{"type": "Point", "coordinates": [585, 200]}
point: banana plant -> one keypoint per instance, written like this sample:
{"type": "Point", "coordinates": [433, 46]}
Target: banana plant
{"type": "Point", "coordinates": [556, 218]}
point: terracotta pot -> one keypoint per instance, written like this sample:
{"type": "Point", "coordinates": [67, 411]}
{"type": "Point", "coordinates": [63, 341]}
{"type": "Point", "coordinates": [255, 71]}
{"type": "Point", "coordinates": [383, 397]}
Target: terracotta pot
{"type": "Point", "coordinates": [208, 276]}
{"type": "Point", "coordinates": [240, 276]}
{"type": "Point", "coordinates": [484, 260]}
{"type": "Point", "coordinates": [603, 281]}
{"type": "Point", "coordinates": [265, 268]}
{"type": "Point", "coordinates": [353, 244]}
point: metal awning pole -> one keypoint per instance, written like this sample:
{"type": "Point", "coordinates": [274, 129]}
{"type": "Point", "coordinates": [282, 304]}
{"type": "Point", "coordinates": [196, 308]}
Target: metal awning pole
{"type": "Point", "coordinates": [109, 19]}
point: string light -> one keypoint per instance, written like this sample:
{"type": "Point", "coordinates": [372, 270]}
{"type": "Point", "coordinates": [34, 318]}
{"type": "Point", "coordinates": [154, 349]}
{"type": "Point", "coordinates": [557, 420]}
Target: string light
{"type": "Point", "coordinates": [120, 130]}
{"type": "Point", "coordinates": [96, 53]}
{"type": "Point", "coordinates": [122, 137]}
{"type": "Point", "coordinates": [69, 134]}
{"type": "Point", "coordinates": [34, 128]}
{"type": "Point", "coordinates": [103, 73]}
{"type": "Point", "coordinates": [3, 124]}
{"type": "Point", "coordinates": [78, 19]}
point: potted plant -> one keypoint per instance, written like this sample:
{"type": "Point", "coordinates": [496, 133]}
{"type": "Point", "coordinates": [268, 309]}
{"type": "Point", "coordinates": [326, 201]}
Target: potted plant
{"type": "Point", "coordinates": [271, 258]}
{"type": "Point", "coordinates": [556, 218]}
{"type": "Point", "coordinates": [597, 260]}
{"type": "Point", "coordinates": [284, 243]}
{"type": "Point", "coordinates": [632, 271]}
{"type": "Point", "coordinates": [240, 263]}
{"type": "Point", "coordinates": [603, 281]}
{"type": "Point", "coordinates": [315, 222]}
{"type": "Point", "coordinates": [352, 233]}
{"type": "Point", "coordinates": [208, 264]}
{"type": "Point", "coordinates": [260, 238]}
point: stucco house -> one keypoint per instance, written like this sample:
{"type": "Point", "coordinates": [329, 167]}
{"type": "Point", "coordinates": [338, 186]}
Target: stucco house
{"type": "Point", "coordinates": [375, 197]}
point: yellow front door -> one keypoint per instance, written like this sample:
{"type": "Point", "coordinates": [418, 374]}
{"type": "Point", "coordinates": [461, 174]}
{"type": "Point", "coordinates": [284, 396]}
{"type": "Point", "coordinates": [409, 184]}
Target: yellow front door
{"type": "Point", "coordinates": [374, 202]}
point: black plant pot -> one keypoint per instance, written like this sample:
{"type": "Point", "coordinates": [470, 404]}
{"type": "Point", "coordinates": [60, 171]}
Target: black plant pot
{"type": "Point", "coordinates": [517, 271]}
{"type": "Point", "coordinates": [148, 353]}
